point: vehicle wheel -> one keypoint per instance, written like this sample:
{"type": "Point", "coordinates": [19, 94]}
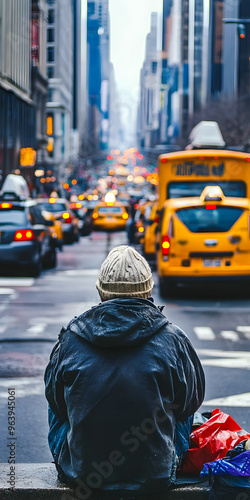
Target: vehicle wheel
{"type": "Point", "coordinates": [77, 238]}
{"type": "Point", "coordinates": [52, 259]}
{"type": "Point", "coordinates": [35, 270]}
{"type": "Point", "coordinates": [166, 289]}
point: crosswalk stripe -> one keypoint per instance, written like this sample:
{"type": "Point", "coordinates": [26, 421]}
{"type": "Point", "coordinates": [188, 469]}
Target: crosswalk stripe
{"type": "Point", "coordinates": [230, 335]}
{"type": "Point", "coordinates": [204, 332]}
{"type": "Point", "coordinates": [244, 329]}
{"type": "Point", "coordinates": [16, 281]}
{"type": "Point", "coordinates": [240, 400]}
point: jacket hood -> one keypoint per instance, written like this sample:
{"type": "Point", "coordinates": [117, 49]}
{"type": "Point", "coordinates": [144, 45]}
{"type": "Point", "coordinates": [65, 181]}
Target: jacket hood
{"type": "Point", "coordinates": [119, 322]}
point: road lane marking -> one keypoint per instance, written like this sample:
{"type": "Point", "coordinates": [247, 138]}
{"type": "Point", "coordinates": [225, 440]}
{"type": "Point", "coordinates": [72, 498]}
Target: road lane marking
{"type": "Point", "coordinates": [241, 363]}
{"type": "Point", "coordinates": [82, 272]}
{"type": "Point", "coordinates": [244, 329]}
{"type": "Point", "coordinates": [240, 400]}
{"type": "Point", "coordinates": [230, 335]}
{"type": "Point", "coordinates": [25, 386]}
{"type": "Point", "coordinates": [204, 333]}
{"type": "Point", "coordinates": [37, 328]}
{"type": "Point", "coordinates": [225, 354]}
{"type": "Point", "coordinates": [17, 281]}
{"type": "Point", "coordinates": [7, 291]}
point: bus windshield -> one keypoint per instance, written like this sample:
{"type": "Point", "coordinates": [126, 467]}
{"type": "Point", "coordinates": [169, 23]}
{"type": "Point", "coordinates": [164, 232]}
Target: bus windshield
{"type": "Point", "coordinates": [194, 188]}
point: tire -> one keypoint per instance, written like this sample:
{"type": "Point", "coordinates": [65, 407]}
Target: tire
{"type": "Point", "coordinates": [52, 259]}
{"type": "Point", "coordinates": [35, 270]}
{"type": "Point", "coordinates": [166, 288]}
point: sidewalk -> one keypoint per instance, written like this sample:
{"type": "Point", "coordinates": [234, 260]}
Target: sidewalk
{"type": "Point", "coordinates": [39, 482]}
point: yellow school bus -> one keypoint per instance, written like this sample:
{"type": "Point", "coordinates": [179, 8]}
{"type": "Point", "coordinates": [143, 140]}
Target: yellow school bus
{"type": "Point", "coordinates": [212, 250]}
{"type": "Point", "coordinates": [186, 173]}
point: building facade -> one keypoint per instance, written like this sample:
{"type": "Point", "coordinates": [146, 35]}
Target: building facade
{"type": "Point", "coordinates": [17, 111]}
{"type": "Point", "coordinates": [148, 124]}
{"type": "Point", "coordinates": [39, 83]}
{"type": "Point", "coordinates": [60, 64]}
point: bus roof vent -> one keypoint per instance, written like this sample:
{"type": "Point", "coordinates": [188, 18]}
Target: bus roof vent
{"type": "Point", "coordinates": [206, 135]}
{"type": "Point", "coordinates": [212, 193]}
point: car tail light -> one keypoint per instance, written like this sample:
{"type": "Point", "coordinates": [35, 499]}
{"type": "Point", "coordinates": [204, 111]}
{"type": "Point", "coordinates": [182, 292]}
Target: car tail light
{"type": "Point", "coordinates": [165, 245]}
{"type": "Point", "coordinates": [75, 205]}
{"type": "Point", "coordinates": [125, 216]}
{"type": "Point", "coordinates": [67, 217]}
{"type": "Point", "coordinates": [95, 215]}
{"type": "Point", "coordinates": [24, 235]}
{"type": "Point", "coordinates": [5, 205]}
{"type": "Point", "coordinates": [157, 219]}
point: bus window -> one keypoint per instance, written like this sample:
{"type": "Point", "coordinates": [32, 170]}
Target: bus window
{"type": "Point", "coordinates": [188, 188]}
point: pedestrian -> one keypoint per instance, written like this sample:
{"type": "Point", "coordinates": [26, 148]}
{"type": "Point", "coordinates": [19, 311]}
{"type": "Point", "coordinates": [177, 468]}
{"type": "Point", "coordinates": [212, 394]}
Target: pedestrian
{"type": "Point", "coordinates": [122, 385]}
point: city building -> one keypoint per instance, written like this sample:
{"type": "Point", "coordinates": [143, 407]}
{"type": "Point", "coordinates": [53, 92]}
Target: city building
{"type": "Point", "coordinates": [17, 111]}
{"type": "Point", "coordinates": [39, 84]}
{"type": "Point", "coordinates": [98, 38]}
{"type": "Point", "coordinates": [60, 66]}
{"type": "Point", "coordinates": [148, 125]}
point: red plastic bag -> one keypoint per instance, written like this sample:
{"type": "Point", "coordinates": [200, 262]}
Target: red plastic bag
{"type": "Point", "coordinates": [212, 440]}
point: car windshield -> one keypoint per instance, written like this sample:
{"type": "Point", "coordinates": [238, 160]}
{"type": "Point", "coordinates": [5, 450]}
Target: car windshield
{"type": "Point", "coordinates": [53, 207]}
{"type": "Point", "coordinates": [14, 217]}
{"type": "Point", "coordinates": [189, 188]}
{"type": "Point", "coordinates": [202, 220]}
{"type": "Point", "coordinates": [110, 210]}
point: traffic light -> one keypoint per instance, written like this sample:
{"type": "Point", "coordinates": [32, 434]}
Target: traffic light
{"type": "Point", "coordinates": [242, 31]}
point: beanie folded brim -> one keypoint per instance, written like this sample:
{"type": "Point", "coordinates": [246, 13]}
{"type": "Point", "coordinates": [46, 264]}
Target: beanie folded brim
{"type": "Point", "coordinates": [125, 289]}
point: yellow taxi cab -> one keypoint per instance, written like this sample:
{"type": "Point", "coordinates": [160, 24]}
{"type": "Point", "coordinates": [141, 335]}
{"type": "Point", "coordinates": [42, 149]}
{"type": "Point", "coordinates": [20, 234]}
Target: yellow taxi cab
{"type": "Point", "coordinates": [203, 239]}
{"type": "Point", "coordinates": [109, 215]}
{"type": "Point", "coordinates": [56, 229]}
{"type": "Point", "coordinates": [151, 223]}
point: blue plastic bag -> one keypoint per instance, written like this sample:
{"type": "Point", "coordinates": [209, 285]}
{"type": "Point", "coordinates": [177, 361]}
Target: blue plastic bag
{"type": "Point", "coordinates": [236, 466]}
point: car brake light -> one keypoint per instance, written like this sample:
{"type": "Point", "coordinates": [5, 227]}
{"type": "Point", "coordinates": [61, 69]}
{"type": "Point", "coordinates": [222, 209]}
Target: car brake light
{"type": "Point", "coordinates": [24, 235]}
{"type": "Point", "coordinates": [165, 245]}
{"type": "Point", "coordinates": [75, 205]}
{"type": "Point", "coordinates": [5, 205]}
{"type": "Point", "coordinates": [125, 216]}
{"type": "Point", "coordinates": [211, 207]}
{"type": "Point", "coordinates": [66, 217]}
{"type": "Point", "coordinates": [95, 215]}
{"type": "Point", "coordinates": [157, 219]}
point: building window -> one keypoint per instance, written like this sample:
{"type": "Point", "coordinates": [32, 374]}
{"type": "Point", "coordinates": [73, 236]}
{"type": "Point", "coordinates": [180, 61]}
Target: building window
{"type": "Point", "coordinates": [50, 2]}
{"type": "Point", "coordinates": [50, 72]}
{"type": "Point", "coordinates": [91, 8]}
{"type": "Point", "coordinates": [51, 16]}
{"type": "Point", "coordinates": [50, 95]}
{"type": "Point", "coordinates": [50, 35]}
{"type": "Point", "coordinates": [154, 67]}
{"type": "Point", "coordinates": [50, 54]}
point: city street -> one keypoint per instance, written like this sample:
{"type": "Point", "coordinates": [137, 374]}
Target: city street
{"type": "Point", "coordinates": [34, 310]}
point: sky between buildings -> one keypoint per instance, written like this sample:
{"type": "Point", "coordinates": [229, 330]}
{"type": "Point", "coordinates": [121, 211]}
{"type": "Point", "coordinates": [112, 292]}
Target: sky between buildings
{"type": "Point", "coordinates": [130, 24]}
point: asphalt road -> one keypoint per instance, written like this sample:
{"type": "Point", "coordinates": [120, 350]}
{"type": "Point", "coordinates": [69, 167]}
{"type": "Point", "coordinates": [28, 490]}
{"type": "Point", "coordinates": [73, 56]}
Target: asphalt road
{"type": "Point", "coordinates": [34, 310]}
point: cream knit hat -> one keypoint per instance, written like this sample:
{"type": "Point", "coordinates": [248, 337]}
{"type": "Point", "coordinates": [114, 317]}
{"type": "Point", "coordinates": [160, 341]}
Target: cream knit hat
{"type": "Point", "coordinates": [124, 273]}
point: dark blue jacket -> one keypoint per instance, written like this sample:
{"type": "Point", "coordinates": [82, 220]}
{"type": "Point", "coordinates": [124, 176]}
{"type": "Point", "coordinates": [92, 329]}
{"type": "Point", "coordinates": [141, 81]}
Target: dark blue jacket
{"type": "Point", "coordinates": [118, 380]}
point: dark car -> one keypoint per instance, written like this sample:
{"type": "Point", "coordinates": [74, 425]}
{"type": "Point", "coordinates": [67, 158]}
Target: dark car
{"type": "Point", "coordinates": [61, 210]}
{"type": "Point", "coordinates": [26, 241]}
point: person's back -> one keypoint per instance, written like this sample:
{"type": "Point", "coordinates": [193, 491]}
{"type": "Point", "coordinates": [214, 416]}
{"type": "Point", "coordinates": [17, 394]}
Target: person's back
{"type": "Point", "coordinates": [119, 379]}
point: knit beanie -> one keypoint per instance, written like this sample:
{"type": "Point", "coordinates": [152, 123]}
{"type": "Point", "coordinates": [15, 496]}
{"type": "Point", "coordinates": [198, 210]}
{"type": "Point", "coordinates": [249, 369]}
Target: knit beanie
{"type": "Point", "coordinates": [124, 273]}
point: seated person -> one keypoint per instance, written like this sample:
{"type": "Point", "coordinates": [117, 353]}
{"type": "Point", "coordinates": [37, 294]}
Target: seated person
{"type": "Point", "coordinates": [122, 385]}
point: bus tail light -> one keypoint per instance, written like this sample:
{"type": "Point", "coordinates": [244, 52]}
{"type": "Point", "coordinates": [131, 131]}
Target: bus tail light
{"type": "Point", "coordinates": [165, 245]}
{"type": "Point", "coordinates": [24, 235]}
